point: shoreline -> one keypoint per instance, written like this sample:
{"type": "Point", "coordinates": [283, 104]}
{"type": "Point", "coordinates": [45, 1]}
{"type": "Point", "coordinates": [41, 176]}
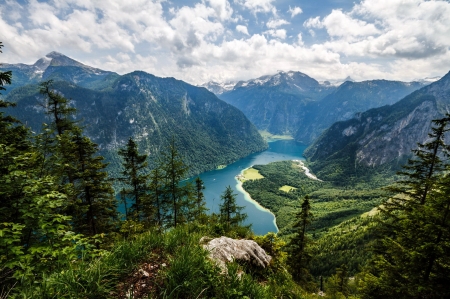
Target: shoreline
{"type": "Point", "coordinates": [248, 198]}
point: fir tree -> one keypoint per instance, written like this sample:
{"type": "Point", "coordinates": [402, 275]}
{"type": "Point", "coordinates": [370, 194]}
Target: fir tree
{"type": "Point", "coordinates": [134, 177]}
{"type": "Point", "coordinates": [413, 256]}
{"type": "Point", "coordinates": [299, 254]}
{"type": "Point", "coordinates": [200, 204]}
{"type": "Point", "coordinates": [177, 196]}
{"type": "Point", "coordinates": [154, 206]}
{"type": "Point", "coordinates": [230, 212]}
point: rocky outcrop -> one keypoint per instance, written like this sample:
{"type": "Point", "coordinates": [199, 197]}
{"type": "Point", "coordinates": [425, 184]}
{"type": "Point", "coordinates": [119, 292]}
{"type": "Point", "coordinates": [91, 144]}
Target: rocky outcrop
{"type": "Point", "coordinates": [224, 250]}
{"type": "Point", "coordinates": [380, 137]}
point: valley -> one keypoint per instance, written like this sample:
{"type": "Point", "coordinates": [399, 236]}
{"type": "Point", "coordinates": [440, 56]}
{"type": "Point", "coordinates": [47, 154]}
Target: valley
{"type": "Point", "coordinates": [278, 159]}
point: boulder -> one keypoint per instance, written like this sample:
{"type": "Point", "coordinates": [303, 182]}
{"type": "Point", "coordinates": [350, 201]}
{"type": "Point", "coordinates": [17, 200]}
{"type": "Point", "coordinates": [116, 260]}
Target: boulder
{"type": "Point", "coordinates": [223, 250]}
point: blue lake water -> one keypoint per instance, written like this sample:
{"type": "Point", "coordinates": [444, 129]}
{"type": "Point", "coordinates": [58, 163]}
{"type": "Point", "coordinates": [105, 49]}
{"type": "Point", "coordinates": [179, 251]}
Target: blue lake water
{"type": "Point", "coordinates": [216, 181]}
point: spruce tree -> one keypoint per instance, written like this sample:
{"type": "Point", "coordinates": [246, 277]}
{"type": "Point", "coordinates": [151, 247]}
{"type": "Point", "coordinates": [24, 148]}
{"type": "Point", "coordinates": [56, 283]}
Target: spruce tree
{"type": "Point", "coordinates": [72, 157]}
{"type": "Point", "coordinates": [154, 206]}
{"type": "Point", "coordinates": [413, 256]}
{"type": "Point", "coordinates": [177, 197]}
{"type": "Point", "coordinates": [200, 204]}
{"type": "Point", "coordinates": [134, 176]}
{"type": "Point", "coordinates": [299, 253]}
{"type": "Point", "coordinates": [97, 206]}
{"type": "Point", "coordinates": [230, 212]}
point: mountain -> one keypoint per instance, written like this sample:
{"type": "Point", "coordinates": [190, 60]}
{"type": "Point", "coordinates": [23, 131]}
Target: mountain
{"type": "Point", "coordinates": [348, 99]}
{"type": "Point", "coordinates": [295, 104]}
{"type": "Point", "coordinates": [380, 138]}
{"type": "Point", "coordinates": [218, 88]}
{"type": "Point", "coordinates": [276, 103]}
{"type": "Point", "coordinates": [207, 131]}
{"type": "Point", "coordinates": [57, 66]}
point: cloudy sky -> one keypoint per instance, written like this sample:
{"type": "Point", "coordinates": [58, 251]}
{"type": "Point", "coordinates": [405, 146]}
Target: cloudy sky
{"type": "Point", "coordinates": [221, 40]}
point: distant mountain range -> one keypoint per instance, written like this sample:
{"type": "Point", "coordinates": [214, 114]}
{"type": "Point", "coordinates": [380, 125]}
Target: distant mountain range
{"type": "Point", "coordinates": [380, 138]}
{"type": "Point", "coordinates": [292, 103]}
{"type": "Point", "coordinates": [277, 104]}
{"type": "Point", "coordinates": [208, 131]}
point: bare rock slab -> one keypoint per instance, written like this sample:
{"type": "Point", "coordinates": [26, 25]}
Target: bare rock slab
{"type": "Point", "coordinates": [224, 250]}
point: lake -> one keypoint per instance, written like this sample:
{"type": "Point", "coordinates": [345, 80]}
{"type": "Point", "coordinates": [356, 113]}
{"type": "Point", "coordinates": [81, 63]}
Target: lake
{"type": "Point", "coordinates": [216, 181]}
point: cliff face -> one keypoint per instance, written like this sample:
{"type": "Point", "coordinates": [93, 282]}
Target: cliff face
{"type": "Point", "coordinates": [350, 98]}
{"type": "Point", "coordinates": [383, 135]}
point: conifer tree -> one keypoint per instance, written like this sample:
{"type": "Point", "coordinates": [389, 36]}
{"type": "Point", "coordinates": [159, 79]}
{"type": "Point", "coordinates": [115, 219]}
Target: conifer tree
{"type": "Point", "coordinates": [299, 253]}
{"type": "Point", "coordinates": [97, 206]}
{"type": "Point", "coordinates": [230, 212]}
{"type": "Point", "coordinates": [413, 257]}
{"type": "Point", "coordinates": [73, 157]}
{"type": "Point", "coordinates": [154, 205]}
{"type": "Point", "coordinates": [177, 196]}
{"type": "Point", "coordinates": [200, 204]}
{"type": "Point", "coordinates": [134, 176]}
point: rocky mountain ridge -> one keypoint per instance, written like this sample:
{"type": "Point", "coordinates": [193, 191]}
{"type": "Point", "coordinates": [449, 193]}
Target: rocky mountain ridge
{"type": "Point", "coordinates": [381, 137]}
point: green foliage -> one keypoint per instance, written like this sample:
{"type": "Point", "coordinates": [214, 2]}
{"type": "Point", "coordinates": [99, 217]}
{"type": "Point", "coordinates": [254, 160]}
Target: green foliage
{"type": "Point", "coordinates": [412, 259]}
{"type": "Point", "coordinates": [230, 212]}
{"type": "Point", "coordinates": [134, 177]}
{"type": "Point", "coordinates": [298, 247]}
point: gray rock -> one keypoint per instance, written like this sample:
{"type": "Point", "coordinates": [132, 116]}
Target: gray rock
{"type": "Point", "coordinates": [223, 250]}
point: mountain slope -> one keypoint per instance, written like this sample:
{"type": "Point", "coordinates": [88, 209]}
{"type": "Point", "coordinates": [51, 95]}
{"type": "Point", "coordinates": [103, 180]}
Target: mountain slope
{"type": "Point", "coordinates": [276, 103]}
{"type": "Point", "coordinates": [57, 66]}
{"type": "Point", "coordinates": [380, 138]}
{"type": "Point", "coordinates": [350, 98]}
{"type": "Point", "coordinates": [207, 131]}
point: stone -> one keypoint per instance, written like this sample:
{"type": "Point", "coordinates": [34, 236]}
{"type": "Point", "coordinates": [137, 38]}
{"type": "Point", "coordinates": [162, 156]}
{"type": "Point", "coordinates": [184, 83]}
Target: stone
{"type": "Point", "coordinates": [224, 250]}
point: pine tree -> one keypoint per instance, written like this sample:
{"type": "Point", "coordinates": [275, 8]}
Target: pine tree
{"type": "Point", "coordinates": [230, 212]}
{"type": "Point", "coordinates": [413, 256]}
{"type": "Point", "coordinates": [134, 177]}
{"type": "Point", "coordinates": [299, 253]}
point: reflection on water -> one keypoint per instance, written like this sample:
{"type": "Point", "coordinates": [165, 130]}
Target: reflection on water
{"type": "Point", "coordinates": [217, 180]}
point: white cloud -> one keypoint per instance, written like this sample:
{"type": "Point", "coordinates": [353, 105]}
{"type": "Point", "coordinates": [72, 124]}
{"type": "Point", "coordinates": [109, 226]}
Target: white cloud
{"type": "Point", "coordinates": [313, 23]}
{"type": "Point", "coordinates": [295, 11]}
{"type": "Point", "coordinates": [242, 29]}
{"type": "Point", "coordinates": [279, 33]}
{"type": "Point", "coordinates": [275, 23]}
{"type": "Point", "coordinates": [392, 39]}
{"type": "Point", "coordinates": [259, 6]}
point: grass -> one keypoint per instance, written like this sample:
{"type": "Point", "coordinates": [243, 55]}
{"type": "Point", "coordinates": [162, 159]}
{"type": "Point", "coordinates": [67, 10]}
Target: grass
{"type": "Point", "coordinates": [271, 137]}
{"type": "Point", "coordinates": [252, 174]}
{"type": "Point", "coordinates": [287, 188]}
{"type": "Point", "coordinates": [184, 271]}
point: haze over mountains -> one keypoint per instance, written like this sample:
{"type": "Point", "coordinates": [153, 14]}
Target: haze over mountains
{"type": "Point", "coordinates": [208, 131]}
{"type": "Point", "coordinates": [292, 103]}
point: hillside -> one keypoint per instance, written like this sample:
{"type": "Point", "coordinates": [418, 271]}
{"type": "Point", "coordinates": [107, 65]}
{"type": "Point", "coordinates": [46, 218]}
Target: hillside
{"type": "Point", "coordinates": [381, 138]}
{"type": "Point", "coordinates": [153, 110]}
{"type": "Point", "coordinates": [348, 99]}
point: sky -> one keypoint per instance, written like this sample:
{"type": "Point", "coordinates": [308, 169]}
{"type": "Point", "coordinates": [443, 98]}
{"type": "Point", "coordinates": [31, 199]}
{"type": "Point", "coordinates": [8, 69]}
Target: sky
{"type": "Point", "coordinates": [228, 40]}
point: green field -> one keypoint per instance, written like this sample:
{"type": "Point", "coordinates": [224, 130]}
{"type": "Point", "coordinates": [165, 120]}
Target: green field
{"type": "Point", "coordinates": [251, 174]}
{"type": "Point", "coordinates": [287, 188]}
{"type": "Point", "coordinates": [269, 136]}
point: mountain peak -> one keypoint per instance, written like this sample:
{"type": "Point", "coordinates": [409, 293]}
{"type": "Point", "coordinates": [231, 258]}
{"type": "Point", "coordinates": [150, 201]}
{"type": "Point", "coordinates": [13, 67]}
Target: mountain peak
{"type": "Point", "coordinates": [55, 54]}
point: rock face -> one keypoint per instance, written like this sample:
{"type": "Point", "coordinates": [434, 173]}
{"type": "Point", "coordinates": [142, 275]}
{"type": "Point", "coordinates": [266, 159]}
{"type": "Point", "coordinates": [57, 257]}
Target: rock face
{"type": "Point", "coordinates": [382, 136]}
{"type": "Point", "coordinates": [223, 250]}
